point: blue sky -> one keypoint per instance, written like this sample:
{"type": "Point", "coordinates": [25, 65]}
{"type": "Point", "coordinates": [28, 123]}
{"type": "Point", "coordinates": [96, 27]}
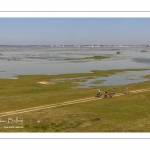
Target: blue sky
{"type": "Point", "coordinates": [40, 31]}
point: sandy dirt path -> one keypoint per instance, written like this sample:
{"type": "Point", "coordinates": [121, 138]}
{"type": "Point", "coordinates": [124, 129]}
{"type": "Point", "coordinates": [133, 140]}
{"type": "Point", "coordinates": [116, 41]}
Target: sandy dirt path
{"type": "Point", "coordinates": [63, 104]}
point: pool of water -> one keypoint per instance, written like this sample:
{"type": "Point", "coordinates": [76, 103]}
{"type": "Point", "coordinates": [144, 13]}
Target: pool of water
{"type": "Point", "coordinates": [127, 77]}
{"type": "Point", "coordinates": [123, 78]}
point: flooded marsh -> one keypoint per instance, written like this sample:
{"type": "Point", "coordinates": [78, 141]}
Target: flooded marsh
{"type": "Point", "coordinates": [28, 60]}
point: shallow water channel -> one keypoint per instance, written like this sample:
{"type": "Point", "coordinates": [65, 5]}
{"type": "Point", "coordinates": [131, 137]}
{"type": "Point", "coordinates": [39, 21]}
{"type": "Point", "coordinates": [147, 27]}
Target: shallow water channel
{"type": "Point", "coordinates": [123, 78]}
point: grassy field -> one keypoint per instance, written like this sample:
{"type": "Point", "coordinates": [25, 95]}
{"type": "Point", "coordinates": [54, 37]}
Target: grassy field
{"type": "Point", "coordinates": [127, 113]}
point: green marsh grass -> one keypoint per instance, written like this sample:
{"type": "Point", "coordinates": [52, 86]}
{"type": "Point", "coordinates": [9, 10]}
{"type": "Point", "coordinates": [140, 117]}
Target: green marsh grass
{"type": "Point", "coordinates": [86, 58]}
{"type": "Point", "coordinates": [144, 51]}
{"type": "Point", "coordinates": [127, 113]}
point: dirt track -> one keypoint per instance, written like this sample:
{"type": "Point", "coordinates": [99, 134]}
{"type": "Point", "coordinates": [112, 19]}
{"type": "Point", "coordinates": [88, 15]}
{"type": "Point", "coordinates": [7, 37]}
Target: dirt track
{"type": "Point", "coordinates": [63, 104]}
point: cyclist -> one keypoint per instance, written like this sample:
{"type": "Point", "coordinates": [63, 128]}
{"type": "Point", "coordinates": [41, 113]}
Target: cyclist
{"type": "Point", "coordinates": [113, 90]}
{"type": "Point", "coordinates": [106, 93]}
{"type": "Point", "coordinates": [126, 90]}
{"type": "Point", "coordinates": [99, 93]}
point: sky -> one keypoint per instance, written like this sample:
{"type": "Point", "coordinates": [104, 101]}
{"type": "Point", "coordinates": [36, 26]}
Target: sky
{"type": "Point", "coordinates": [74, 31]}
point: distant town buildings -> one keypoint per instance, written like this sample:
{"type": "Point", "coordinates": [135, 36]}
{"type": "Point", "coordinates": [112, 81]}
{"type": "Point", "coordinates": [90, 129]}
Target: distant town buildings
{"type": "Point", "coordinates": [92, 46]}
{"type": "Point", "coordinates": [80, 46]}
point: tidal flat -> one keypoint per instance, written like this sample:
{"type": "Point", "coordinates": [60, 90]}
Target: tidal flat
{"type": "Point", "coordinates": [20, 60]}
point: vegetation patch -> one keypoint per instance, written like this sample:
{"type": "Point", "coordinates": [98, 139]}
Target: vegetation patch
{"type": "Point", "coordinates": [87, 58]}
{"type": "Point", "coordinates": [97, 82]}
{"type": "Point", "coordinates": [118, 52]}
{"type": "Point", "coordinates": [144, 51]}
